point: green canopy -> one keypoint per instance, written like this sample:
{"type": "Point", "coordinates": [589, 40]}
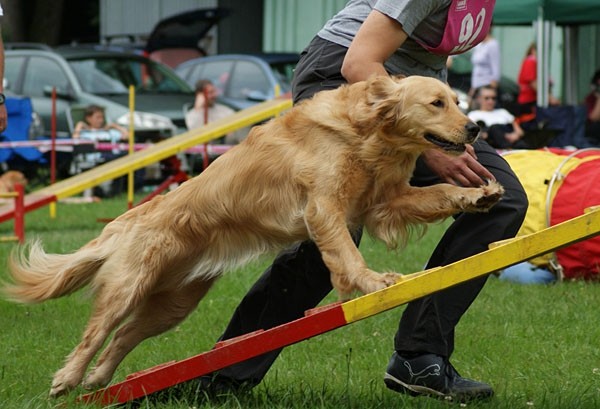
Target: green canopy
{"type": "Point", "coordinates": [570, 13]}
{"type": "Point", "coordinates": [567, 12]}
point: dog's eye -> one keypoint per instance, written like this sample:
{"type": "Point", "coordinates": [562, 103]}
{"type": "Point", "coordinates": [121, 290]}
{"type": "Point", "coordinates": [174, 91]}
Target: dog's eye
{"type": "Point", "coordinates": [438, 103]}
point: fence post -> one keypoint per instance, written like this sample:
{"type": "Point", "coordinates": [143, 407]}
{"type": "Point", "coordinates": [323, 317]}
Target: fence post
{"type": "Point", "coordinates": [20, 213]}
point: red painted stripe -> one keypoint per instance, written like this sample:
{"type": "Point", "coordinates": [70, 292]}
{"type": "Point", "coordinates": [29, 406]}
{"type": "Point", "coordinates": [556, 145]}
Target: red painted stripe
{"type": "Point", "coordinates": [163, 376]}
{"type": "Point", "coordinates": [8, 212]}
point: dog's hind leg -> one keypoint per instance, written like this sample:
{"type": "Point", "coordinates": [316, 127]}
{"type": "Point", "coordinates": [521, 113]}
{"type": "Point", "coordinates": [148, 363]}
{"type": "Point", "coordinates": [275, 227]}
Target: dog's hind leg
{"type": "Point", "coordinates": [159, 313]}
{"type": "Point", "coordinates": [110, 309]}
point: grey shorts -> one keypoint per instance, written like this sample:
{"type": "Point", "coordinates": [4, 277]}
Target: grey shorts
{"type": "Point", "coordinates": [319, 69]}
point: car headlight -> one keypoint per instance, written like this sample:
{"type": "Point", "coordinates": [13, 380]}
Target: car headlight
{"type": "Point", "coordinates": [146, 120]}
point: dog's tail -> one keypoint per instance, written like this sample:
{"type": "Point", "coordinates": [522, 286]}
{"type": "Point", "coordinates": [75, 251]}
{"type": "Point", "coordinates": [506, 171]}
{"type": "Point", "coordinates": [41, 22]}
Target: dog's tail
{"type": "Point", "coordinates": [38, 276]}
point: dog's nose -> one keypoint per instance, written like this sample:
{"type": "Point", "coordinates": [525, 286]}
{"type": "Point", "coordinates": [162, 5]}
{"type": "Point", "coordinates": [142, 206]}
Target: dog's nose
{"type": "Point", "coordinates": [472, 130]}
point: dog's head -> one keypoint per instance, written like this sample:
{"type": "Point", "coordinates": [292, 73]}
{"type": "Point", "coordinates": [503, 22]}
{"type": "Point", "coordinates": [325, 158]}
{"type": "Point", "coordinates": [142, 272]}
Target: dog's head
{"type": "Point", "coordinates": [422, 111]}
{"type": "Point", "coordinates": [11, 178]}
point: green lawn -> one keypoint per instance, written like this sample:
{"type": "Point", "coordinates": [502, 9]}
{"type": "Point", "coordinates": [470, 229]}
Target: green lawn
{"type": "Point", "coordinates": [537, 345]}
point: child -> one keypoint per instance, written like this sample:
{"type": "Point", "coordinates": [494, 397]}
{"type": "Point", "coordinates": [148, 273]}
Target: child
{"type": "Point", "coordinates": [94, 127]}
{"type": "Point", "coordinates": [94, 121]}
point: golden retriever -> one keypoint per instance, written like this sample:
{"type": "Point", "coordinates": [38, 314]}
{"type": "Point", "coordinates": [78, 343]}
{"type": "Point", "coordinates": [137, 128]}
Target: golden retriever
{"type": "Point", "coordinates": [340, 160]}
{"type": "Point", "coordinates": [9, 179]}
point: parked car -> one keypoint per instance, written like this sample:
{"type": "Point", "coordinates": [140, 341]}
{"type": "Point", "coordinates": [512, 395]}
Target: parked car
{"type": "Point", "coordinates": [173, 40]}
{"type": "Point", "coordinates": [183, 36]}
{"type": "Point", "coordinates": [82, 76]}
{"type": "Point", "coordinates": [243, 80]}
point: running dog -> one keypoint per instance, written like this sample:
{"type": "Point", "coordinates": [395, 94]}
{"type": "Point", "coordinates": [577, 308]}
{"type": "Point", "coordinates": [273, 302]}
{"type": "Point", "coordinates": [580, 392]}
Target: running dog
{"type": "Point", "coordinates": [340, 160]}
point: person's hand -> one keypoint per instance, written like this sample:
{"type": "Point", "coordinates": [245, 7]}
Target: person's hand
{"type": "Point", "coordinates": [3, 118]}
{"type": "Point", "coordinates": [462, 170]}
{"type": "Point", "coordinates": [512, 137]}
{"type": "Point", "coordinates": [552, 100]}
{"type": "Point", "coordinates": [200, 101]}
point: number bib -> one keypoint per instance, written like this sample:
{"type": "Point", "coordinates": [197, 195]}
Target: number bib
{"type": "Point", "coordinates": [468, 23]}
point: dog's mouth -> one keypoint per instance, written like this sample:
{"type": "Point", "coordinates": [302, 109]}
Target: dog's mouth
{"type": "Point", "coordinates": [444, 144]}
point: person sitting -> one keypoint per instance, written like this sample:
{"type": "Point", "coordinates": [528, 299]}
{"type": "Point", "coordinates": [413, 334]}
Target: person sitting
{"type": "Point", "coordinates": [499, 127]}
{"type": "Point", "coordinates": [94, 126]}
{"type": "Point", "coordinates": [206, 109]}
{"type": "Point", "coordinates": [592, 104]}
{"type": "Point", "coordinates": [528, 85]}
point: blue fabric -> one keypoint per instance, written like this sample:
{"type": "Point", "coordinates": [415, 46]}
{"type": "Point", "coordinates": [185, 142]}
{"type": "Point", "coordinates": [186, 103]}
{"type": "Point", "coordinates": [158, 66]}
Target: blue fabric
{"type": "Point", "coordinates": [19, 112]}
{"type": "Point", "coordinates": [527, 273]}
{"type": "Point", "coordinates": [569, 120]}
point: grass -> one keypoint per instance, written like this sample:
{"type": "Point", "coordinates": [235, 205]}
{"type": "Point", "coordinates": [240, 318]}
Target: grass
{"type": "Point", "coordinates": [537, 345]}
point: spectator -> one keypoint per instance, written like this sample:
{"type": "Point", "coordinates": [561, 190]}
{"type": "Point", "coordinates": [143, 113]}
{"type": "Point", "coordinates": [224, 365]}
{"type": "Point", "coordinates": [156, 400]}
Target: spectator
{"type": "Point", "coordinates": [94, 126]}
{"type": "Point", "coordinates": [592, 104]}
{"type": "Point", "coordinates": [486, 64]}
{"type": "Point", "coordinates": [498, 126]}
{"type": "Point", "coordinates": [527, 80]}
{"type": "Point", "coordinates": [206, 109]}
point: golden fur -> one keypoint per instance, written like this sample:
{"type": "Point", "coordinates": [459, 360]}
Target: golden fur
{"type": "Point", "coordinates": [338, 161]}
{"type": "Point", "coordinates": [9, 179]}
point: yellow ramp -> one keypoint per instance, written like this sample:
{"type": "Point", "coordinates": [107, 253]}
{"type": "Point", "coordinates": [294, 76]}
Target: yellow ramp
{"type": "Point", "coordinates": [153, 154]}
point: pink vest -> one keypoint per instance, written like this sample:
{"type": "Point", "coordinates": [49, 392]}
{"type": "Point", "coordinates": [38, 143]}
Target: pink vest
{"type": "Point", "coordinates": [468, 23]}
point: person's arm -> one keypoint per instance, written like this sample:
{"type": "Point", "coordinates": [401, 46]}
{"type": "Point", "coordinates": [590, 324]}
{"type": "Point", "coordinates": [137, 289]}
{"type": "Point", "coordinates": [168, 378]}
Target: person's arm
{"type": "Point", "coordinates": [516, 134]}
{"type": "Point", "coordinates": [3, 114]}
{"type": "Point", "coordinates": [594, 114]}
{"type": "Point", "coordinates": [376, 40]}
{"type": "Point", "coordinates": [81, 125]}
{"type": "Point", "coordinates": [199, 101]}
{"type": "Point", "coordinates": [124, 132]}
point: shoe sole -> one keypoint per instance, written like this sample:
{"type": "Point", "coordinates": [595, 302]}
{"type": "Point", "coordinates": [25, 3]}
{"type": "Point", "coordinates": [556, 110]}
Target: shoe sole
{"type": "Point", "coordinates": [397, 385]}
{"type": "Point", "coordinates": [414, 390]}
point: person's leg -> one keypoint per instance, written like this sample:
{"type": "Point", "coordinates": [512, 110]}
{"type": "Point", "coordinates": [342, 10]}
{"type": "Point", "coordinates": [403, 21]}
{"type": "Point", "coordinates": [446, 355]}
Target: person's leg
{"type": "Point", "coordinates": [496, 136]}
{"type": "Point", "coordinates": [427, 325]}
{"type": "Point", "coordinates": [298, 279]}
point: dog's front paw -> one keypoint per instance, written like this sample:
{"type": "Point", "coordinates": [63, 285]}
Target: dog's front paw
{"type": "Point", "coordinates": [490, 195]}
{"type": "Point", "coordinates": [379, 281]}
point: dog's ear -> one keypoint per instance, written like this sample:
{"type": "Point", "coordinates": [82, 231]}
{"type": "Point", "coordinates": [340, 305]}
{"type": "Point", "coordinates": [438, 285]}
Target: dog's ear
{"type": "Point", "coordinates": [380, 88]}
{"type": "Point", "coordinates": [386, 98]}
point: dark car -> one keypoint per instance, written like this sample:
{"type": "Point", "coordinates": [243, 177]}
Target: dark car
{"type": "Point", "coordinates": [243, 80]}
{"type": "Point", "coordinates": [82, 76]}
{"type": "Point", "coordinates": [181, 37]}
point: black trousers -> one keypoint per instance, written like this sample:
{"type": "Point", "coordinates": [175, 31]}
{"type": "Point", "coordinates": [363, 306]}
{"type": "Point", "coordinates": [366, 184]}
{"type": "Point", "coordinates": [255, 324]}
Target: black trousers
{"type": "Point", "coordinates": [298, 279]}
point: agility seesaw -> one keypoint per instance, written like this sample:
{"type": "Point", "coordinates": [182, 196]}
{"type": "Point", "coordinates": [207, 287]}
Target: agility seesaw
{"type": "Point", "coordinates": [330, 317]}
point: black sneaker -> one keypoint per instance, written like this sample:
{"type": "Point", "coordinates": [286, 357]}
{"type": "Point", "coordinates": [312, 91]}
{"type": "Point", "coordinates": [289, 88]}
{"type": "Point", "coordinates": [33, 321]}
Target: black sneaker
{"type": "Point", "coordinates": [214, 385]}
{"type": "Point", "coordinates": [432, 375]}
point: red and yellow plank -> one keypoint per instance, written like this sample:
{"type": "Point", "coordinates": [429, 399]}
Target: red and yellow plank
{"type": "Point", "coordinates": [336, 315]}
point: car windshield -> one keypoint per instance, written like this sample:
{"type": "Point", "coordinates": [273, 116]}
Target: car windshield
{"type": "Point", "coordinates": [108, 75]}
